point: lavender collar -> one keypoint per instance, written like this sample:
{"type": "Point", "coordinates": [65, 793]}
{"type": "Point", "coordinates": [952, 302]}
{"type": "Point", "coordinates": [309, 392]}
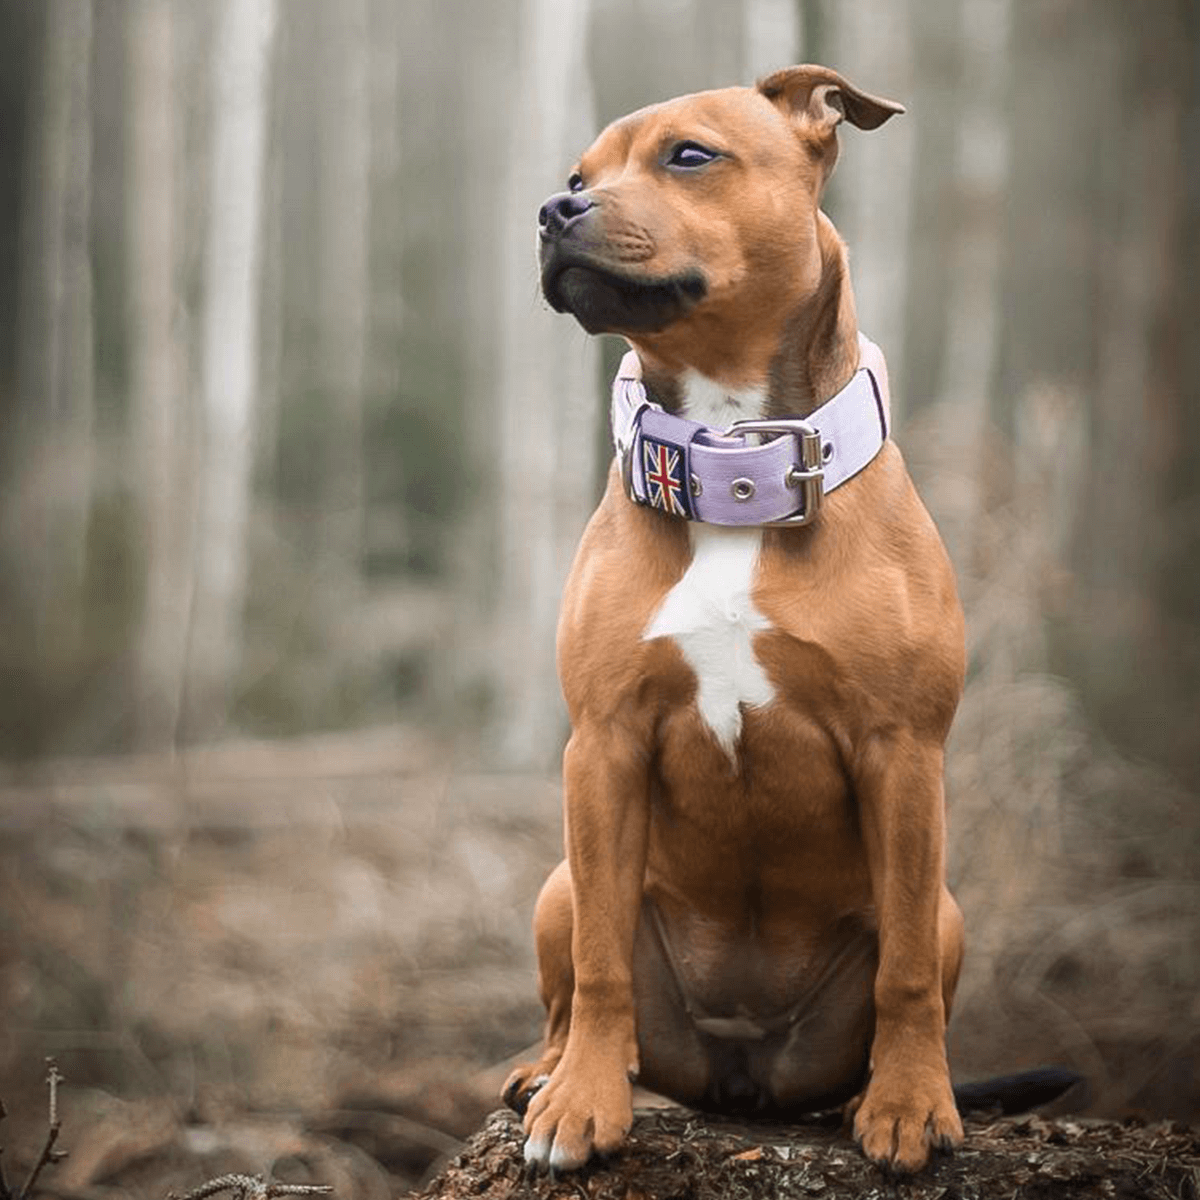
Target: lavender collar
{"type": "Point", "coordinates": [734, 476]}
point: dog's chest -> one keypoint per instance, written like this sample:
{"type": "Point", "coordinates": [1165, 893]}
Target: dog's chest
{"type": "Point", "coordinates": [710, 613]}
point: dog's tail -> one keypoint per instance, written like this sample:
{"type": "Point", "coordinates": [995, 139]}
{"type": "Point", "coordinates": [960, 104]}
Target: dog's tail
{"type": "Point", "coordinates": [1008, 1094]}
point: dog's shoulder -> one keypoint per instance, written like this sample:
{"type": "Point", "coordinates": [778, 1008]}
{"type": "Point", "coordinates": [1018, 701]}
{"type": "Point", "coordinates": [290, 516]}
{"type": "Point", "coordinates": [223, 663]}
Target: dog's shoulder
{"type": "Point", "coordinates": [627, 560]}
{"type": "Point", "coordinates": [872, 587]}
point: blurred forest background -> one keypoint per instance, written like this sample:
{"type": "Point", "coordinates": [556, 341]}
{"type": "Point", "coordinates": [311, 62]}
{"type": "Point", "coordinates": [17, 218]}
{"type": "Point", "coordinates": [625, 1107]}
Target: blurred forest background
{"type": "Point", "coordinates": [293, 460]}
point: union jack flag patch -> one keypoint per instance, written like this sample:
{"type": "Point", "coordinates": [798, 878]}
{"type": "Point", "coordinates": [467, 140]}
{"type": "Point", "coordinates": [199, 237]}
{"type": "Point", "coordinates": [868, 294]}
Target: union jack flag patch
{"type": "Point", "coordinates": [664, 468]}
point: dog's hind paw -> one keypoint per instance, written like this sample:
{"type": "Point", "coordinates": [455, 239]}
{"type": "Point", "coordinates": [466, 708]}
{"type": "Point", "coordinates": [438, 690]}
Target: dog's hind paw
{"type": "Point", "coordinates": [521, 1087]}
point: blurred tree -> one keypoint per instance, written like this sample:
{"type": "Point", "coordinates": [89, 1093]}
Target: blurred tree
{"type": "Point", "coordinates": [1097, 276]}
{"type": "Point", "coordinates": [54, 421]}
{"type": "Point", "coordinates": [19, 54]}
{"type": "Point", "coordinates": [344, 149]}
{"type": "Point", "coordinates": [771, 37]}
{"type": "Point", "coordinates": [386, 532]}
{"type": "Point", "coordinates": [230, 375]}
{"type": "Point", "coordinates": [544, 449]}
{"type": "Point", "coordinates": [640, 54]}
{"type": "Point", "coordinates": [871, 192]}
{"type": "Point", "coordinates": [309, 251]}
{"type": "Point", "coordinates": [158, 411]}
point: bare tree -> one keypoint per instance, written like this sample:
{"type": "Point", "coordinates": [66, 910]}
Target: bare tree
{"type": "Point", "coordinates": [547, 391]}
{"type": "Point", "coordinates": [55, 354]}
{"type": "Point", "coordinates": [383, 367]}
{"type": "Point", "coordinates": [771, 36]}
{"type": "Point", "coordinates": [233, 278]}
{"type": "Point", "coordinates": [158, 416]}
{"type": "Point", "coordinates": [870, 194]}
{"type": "Point", "coordinates": [345, 132]}
{"type": "Point", "coordinates": [979, 164]}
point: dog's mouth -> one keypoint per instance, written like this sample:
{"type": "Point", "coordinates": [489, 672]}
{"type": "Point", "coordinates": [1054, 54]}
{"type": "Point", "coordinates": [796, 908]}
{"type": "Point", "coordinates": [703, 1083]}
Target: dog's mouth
{"type": "Point", "coordinates": [606, 301]}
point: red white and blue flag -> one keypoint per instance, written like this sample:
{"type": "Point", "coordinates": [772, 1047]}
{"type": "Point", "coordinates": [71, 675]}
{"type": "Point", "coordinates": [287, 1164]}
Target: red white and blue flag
{"type": "Point", "coordinates": [666, 478]}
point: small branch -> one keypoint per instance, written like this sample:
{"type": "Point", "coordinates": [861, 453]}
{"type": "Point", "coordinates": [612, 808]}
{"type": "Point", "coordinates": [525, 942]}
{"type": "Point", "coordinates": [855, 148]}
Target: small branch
{"type": "Point", "coordinates": [5, 1194]}
{"type": "Point", "coordinates": [48, 1154]}
{"type": "Point", "coordinates": [252, 1187]}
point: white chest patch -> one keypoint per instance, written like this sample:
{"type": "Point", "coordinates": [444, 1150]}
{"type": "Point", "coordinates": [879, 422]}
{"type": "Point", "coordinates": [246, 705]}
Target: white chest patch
{"type": "Point", "coordinates": [713, 620]}
{"type": "Point", "coordinates": [713, 405]}
{"type": "Point", "coordinates": [709, 612]}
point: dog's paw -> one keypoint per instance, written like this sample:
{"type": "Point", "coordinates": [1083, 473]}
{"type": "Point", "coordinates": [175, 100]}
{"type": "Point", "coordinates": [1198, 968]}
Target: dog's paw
{"type": "Point", "coordinates": [522, 1085]}
{"type": "Point", "coordinates": [574, 1115]}
{"type": "Point", "coordinates": [902, 1118]}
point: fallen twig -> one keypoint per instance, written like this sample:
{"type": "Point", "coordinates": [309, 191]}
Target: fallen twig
{"type": "Point", "coordinates": [251, 1187]}
{"type": "Point", "coordinates": [5, 1194]}
{"type": "Point", "coordinates": [49, 1154]}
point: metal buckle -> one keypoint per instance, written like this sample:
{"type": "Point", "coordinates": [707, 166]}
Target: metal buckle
{"type": "Point", "coordinates": [811, 479]}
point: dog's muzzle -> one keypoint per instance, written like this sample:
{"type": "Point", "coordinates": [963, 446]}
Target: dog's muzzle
{"type": "Point", "coordinates": [582, 276]}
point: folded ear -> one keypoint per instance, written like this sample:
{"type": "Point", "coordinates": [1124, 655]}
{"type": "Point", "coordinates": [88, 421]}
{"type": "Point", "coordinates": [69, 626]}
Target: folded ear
{"type": "Point", "coordinates": [823, 99]}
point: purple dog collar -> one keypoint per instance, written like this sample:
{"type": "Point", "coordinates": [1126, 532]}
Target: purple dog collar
{"type": "Point", "coordinates": [723, 478]}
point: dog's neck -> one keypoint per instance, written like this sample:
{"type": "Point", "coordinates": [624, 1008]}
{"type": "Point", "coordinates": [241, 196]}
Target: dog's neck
{"type": "Point", "coordinates": [818, 352]}
{"type": "Point", "coordinates": [816, 356]}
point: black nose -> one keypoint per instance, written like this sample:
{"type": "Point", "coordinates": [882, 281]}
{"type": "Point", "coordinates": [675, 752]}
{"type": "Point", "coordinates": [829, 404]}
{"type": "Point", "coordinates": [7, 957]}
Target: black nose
{"type": "Point", "coordinates": [559, 211]}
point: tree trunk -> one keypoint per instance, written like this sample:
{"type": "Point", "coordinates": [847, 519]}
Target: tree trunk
{"type": "Point", "coordinates": [932, 100]}
{"type": "Point", "coordinates": [547, 393]}
{"type": "Point", "coordinates": [771, 36]}
{"type": "Point", "coordinates": [230, 369]}
{"type": "Point", "coordinates": [386, 527]}
{"type": "Point", "coordinates": [870, 194]}
{"type": "Point", "coordinates": [979, 167]}
{"type": "Point", "coordinates": [271, 356]}
{"type": "Point", "coordinates": [1097, 245]}
{"type": "Point", "coordinates": [1119, 541]}
{"type": "Point", "coordinates": [158, 417]}
{"type": "Point", "coordinates": [344, 289]}
{"type": "Point", "coordinates": [55, 354]}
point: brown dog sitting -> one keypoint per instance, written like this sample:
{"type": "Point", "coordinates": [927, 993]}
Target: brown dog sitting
{"type": "Point", "coordinates": [761, 649]}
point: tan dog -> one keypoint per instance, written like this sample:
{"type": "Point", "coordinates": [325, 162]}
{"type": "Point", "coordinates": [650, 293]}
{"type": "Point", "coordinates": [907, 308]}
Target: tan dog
{"type": "Point", "coordinates": [752, 914]}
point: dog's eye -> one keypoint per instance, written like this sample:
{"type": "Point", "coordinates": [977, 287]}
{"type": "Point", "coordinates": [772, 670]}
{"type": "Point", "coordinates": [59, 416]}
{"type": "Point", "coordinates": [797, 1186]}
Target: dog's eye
{"type": "Point", "coordinates": [690, 155]}
{"type": "Point", "coordinates": [575, 182]}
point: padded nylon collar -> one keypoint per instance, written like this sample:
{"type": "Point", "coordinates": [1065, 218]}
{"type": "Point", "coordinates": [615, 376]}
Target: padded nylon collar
{"type": "Point", "coordinates": [730, 477]}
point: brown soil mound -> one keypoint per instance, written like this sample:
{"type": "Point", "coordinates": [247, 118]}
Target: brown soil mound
{"type": "Point", "coordinates": [674, 1154]}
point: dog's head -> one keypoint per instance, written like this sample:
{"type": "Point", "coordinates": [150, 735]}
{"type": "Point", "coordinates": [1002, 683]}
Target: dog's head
{"type": "Point", "coordinates": [700, 211]}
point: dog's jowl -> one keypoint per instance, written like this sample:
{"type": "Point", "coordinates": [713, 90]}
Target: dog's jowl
{"type": "Point", "coordinates": [761, 649]}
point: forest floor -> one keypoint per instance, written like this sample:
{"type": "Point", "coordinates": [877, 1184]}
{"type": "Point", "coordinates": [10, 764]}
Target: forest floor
{"type": "Point", "coordinates": [674, 1154]}
{"type": "Point", "coordinates": [312, 962]}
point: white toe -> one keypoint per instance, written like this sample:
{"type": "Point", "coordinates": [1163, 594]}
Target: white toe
{"type": "Point", "coordinates": [560, 1160]}
{"type": "Point", "coordinates": [537, 1151]}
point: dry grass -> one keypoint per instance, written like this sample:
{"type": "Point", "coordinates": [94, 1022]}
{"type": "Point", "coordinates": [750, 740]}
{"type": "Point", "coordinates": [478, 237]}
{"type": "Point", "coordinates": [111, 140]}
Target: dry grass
{"type": "Point", "coordinates": [260, 954]}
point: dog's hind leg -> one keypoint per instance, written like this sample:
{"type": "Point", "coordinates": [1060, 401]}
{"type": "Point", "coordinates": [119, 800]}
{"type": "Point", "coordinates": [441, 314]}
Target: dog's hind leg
{"type": "Point", "coordinates": [552, 921]}
{"type": "Point", "coordinates": [951, 944]}
{"type": "Point", "coordinates": [674, 1060]}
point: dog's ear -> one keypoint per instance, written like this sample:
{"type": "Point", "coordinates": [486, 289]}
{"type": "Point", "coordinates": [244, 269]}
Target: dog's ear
{"type": "Point", "coordinates": [822, 99]}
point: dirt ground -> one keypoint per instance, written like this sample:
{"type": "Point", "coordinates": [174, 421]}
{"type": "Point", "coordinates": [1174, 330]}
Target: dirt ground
{"type": "Point", "coordinates": [312, 962]}
{"type": "Point", "coordinates": [676, 1155]}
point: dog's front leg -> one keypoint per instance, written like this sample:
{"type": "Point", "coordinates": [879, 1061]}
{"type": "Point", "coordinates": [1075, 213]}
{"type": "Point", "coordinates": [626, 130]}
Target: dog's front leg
{"type": "Point", "coordinates": [586, 1105]}
{"type": "Point", "coordinates": [908, 1106]}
